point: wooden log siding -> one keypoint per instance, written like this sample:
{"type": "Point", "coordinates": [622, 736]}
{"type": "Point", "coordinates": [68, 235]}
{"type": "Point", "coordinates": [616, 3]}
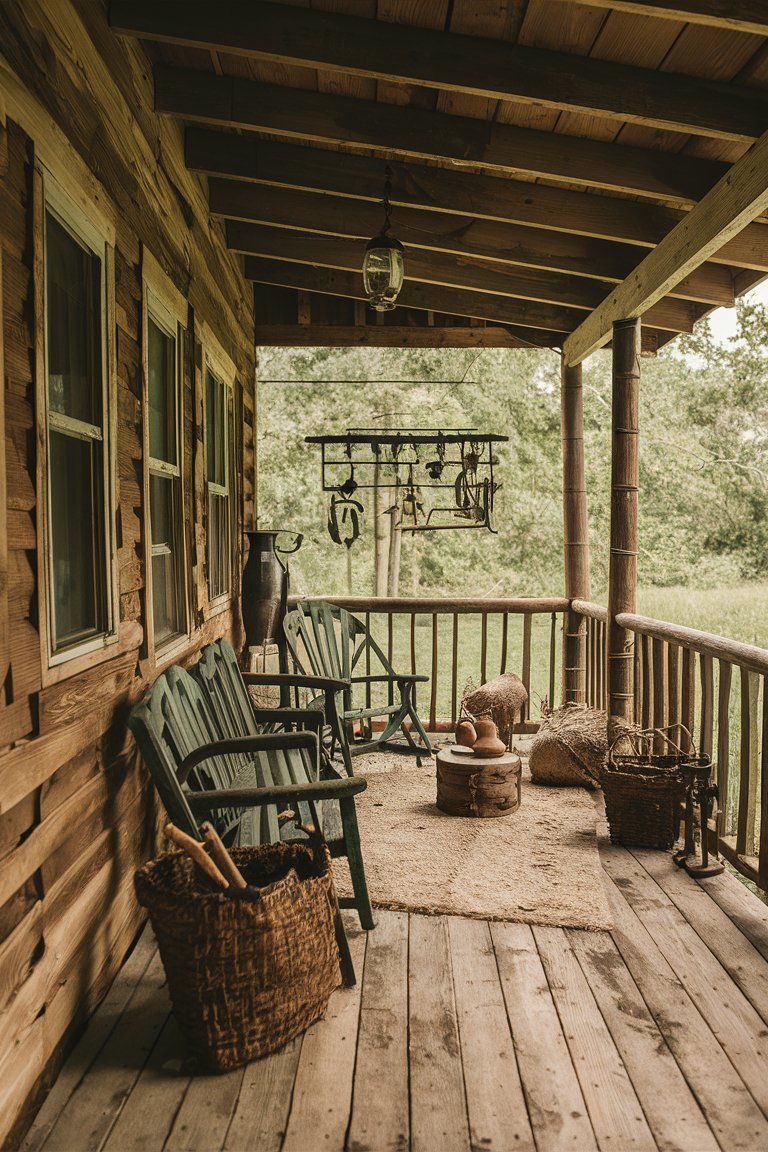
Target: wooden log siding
{"type": "Point", "coordinates": [76, 812]}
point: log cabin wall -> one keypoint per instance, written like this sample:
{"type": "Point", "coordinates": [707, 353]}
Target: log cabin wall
{"type": "Point", "coordinates": [76, 808]}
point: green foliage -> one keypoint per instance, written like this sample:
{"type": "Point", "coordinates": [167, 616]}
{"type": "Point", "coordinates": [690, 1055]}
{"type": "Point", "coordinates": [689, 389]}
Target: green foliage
{"type": "Point", "coordinates": [703, 462]}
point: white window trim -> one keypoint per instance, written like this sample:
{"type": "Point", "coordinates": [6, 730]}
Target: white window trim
{"type": "Point", "coordinates": [167, 307]}
{"type": "Point", "coordinates": [75, 217]}
{"type": "Point", "coordinates": [216, 360]}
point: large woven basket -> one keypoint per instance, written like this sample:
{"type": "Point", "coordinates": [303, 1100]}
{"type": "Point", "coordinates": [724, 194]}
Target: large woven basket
{"type": "Point", "coordinates": [643, 792]}
{"type": "Point", "coordinates": [244, 978]}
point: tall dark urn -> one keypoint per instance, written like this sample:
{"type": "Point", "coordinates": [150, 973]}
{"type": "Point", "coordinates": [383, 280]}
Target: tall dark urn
{"type": "Point", "coordinates": [265, 586]}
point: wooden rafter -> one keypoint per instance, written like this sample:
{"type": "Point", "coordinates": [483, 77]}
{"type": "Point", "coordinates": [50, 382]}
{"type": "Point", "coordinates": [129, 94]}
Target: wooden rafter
{"type": "Point", "coordinates": [740, 196]}
{"type": "Point", "coordinates": [732, 15]}
{"type": "Point", "coordinates": [578, 258]}
{"type": "Point", "coordinates": [472, 65]}
{"type": "Point", "coordinates": [452, 301]}
{"type": "Point", "coordinates": [400, 336]}
{"type": "Point", "coordinates": [417, 133]}
{"type": "Point", "coordinates": [443, 270]}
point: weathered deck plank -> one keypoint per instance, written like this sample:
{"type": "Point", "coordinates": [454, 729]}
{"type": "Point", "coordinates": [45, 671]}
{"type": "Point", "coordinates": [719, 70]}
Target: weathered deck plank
{"type": "Point", "coordinates": [464, 1035]}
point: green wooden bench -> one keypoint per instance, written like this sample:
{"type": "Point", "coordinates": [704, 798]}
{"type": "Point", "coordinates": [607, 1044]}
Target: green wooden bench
{"type": "Point", "coordinates": [326, 640]}
{"type": "Point", "coordinates": [211, 756]}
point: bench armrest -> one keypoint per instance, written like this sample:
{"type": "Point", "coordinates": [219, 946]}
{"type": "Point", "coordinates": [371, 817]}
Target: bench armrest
{"type": "Point", "coordinates": [295, 680]}
{"type": "Point", "coordinates": [413, 677]}
{"type": "Point", "coordinates": [260, 743]}
{"type": "Point", "coordinates": [255, 797]}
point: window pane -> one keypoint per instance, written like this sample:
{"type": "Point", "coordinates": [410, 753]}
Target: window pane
{"type": "Point", "coordinates": [161, 370]}
{"type": "Point", "coordinates": [167, 585]}
{"type": "Point", "coordinates": [73, 305]}
{"type": "Point", "coordinates": [215, 430]}
{"type": "Point", "coordinates": [76, 538]}
{"type": "Point", "coordinates": [218, 546]}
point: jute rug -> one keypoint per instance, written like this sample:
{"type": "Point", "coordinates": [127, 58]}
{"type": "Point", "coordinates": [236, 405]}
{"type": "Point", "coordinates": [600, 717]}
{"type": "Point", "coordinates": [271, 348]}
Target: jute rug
{"type": "Point", "coordinates": [539, 865]}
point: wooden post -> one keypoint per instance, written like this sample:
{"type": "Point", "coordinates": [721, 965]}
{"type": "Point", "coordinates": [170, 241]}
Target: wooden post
{"type": "Point", "coordinates": [575, 533]}
{"type": "Point", "coordinates": [622, 572]}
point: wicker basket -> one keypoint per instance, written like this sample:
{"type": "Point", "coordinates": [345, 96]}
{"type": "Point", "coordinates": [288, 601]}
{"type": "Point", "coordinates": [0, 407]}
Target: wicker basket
{"type": "Point", "coordinates": [643, 791]}
{"type": "Point", "coordinates": [245, 977]}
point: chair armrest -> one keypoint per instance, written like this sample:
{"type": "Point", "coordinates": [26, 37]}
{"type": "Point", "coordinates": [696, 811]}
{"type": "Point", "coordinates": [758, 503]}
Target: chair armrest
{"type": "Point", "coordinates": [413, 677]}
{"type": "Point", "coordinates": [261, 743]}
{"type": "Point", "coordinates": [255, 797]}
{"type": "Point", "coordinates": [310, 717]}
{"type": "Point", "coordinates": [295, 680]}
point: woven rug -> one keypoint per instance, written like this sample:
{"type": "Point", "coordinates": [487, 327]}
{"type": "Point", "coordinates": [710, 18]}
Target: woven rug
{"type": "Point", "coordinates": [539, 865]}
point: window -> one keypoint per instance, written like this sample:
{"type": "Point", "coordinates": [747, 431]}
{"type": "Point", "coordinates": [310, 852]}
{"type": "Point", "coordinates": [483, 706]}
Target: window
{"type": "Point", "coordinates": [80, 595]}
{"type": "Point", "coordinates": [218, 417]}
{"type": "Point", "coordinates": [166, 516]}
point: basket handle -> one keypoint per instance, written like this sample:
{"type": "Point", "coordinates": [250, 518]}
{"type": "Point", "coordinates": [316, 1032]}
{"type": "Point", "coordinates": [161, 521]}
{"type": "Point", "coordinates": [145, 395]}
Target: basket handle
{"type": "Point", "coordinates": [641, 741]}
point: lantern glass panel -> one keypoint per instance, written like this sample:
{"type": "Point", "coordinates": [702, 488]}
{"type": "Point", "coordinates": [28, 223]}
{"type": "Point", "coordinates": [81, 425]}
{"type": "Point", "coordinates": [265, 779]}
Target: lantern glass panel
{"type": "Point", "coordinates": [383, 271]}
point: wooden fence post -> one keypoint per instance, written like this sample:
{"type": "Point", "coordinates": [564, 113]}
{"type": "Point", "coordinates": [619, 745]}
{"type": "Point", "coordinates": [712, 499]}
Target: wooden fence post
{"type": "Point", "coordinates": [622, 573]}
{"type": "Point", "coordinates": [575, 533]}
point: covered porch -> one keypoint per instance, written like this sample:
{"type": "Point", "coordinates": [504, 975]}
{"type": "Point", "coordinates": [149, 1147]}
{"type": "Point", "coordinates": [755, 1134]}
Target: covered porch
{"type": "Point", "coordinates": [567, 176]}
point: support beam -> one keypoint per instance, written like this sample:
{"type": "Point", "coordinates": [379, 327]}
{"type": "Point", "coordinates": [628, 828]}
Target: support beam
{"type": "Point", "coordinates": [734, 201]}
{"type": "Point", "coordinates": [749, 16]}
{"type": "Point", "coordinates": [453, 301]}
{"type": "Point", "coordinates": [493, 69]}
{"type": "Point", "coordinates": [576, 534]}
{"type": "Point", "coordinates": [622, 570]}
{"type": "Point", "coordinates": [398, 336]}
{"type": "Point", "coordinates": [475, 198]}
{"type": "Point", "coordinates": [421, 134]}
{"type": "Point", "coordinates": [433, 235]}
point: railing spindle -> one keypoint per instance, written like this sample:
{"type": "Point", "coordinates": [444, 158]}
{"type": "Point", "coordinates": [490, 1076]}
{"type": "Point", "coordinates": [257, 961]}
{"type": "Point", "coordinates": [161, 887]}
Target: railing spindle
{"type": "Point", "coordinates": [673, 688]}
{"type": "Point", "coordinates": [659, 694]}
{"type": "Point", "coordinates": [527, 620]}
{"type": "Point", "coordinates": [504, 631]}
{"type": "Point", "coordinates": [552, 654]}
{"type": "Point", "coordinates": [413, 643]}
{"type": "Point", "coordinates": [367, 662]}
{"type": "Point", "coordinates": [745, 823]}
{"type": "Point", "coordinates": [390, 653]}
{"type": "Point", "coordinates": [723, 738]}
{"type": "Point", "coordinates": [455, 668]}
{"type": "Point", "coordinates": [484, 648]}
{"type": "Point", "coordinates": [647, 662]}
{"type": "Point", "coordinates": [763, 854]}
{"type": "Point", "coordinates": [687, 698]}
{"type": "Point", "coordinates": [433, 678]}
{"type": "Point", "coordinates": [707, 721]}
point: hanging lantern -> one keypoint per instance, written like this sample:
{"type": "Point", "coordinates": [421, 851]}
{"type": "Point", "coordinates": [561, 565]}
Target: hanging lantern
{"type": "Point", "coordinates": [383, 267]}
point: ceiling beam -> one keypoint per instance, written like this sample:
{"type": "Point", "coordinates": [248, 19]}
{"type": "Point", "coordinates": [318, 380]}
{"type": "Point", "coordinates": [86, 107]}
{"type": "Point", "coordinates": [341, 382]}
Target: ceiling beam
{"type": "Point", "coordinates": [735, 200]}
{"type": "Point", "coordinates": [733, 15]}
{"type": "Point", "coordinates": [420, 134]}
{"type": "Point", "coordinates": [579, 257]}
{"type": "Point", "coordinates": [428, 297]}
{"type": "Point", "coordinates": [493, 69]}
{"type": "Point", "coordinates": [399, 336]}
{"type": "Point", "coordinates": [439, 190]}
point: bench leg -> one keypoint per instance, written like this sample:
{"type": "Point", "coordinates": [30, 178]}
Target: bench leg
{"type": "Point", "coordinates": [355, 858]}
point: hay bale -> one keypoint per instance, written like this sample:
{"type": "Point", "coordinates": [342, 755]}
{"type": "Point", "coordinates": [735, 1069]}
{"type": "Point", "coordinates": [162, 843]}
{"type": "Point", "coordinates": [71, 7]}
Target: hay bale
{"type": "Point", "coordinates": [571, 747]}
{"type": "Point", "coordinates": [501, 698]}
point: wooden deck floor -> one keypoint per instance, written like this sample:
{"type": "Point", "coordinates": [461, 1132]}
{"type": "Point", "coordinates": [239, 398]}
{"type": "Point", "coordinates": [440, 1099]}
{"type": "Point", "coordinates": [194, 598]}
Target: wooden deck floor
{"type": "Point", "coordinates": [463, 1035]}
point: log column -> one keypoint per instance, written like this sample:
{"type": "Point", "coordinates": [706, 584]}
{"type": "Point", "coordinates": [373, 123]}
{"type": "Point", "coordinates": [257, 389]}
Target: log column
{"type": "Point", "coordinates": [622, 573]}
{"type": "Point", "coordinates": [575, 531]}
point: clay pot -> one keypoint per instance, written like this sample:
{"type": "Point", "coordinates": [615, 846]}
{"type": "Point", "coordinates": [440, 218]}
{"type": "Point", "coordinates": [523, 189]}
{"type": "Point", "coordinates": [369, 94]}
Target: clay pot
{"type": "Point", "coordinates": [465, 733]}
{"type": "Point", "coordinates": [488, 743]}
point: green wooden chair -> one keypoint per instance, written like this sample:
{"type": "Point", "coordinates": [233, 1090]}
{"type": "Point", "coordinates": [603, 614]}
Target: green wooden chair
{"type": "Point", "coordinates": [325, 640]}
{"type": "Point", "coordinates": [210, 758]}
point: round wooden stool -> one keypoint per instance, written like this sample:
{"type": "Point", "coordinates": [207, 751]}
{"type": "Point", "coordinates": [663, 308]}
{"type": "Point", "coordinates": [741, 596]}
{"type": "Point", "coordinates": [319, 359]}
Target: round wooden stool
{"type": "Point", "coordinates": [470, 785]}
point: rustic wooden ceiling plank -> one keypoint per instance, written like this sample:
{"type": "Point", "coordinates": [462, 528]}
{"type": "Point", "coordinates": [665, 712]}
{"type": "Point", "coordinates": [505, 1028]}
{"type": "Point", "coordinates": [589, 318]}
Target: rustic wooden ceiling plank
{"type": "Point", "coordinates": [434, 59]}
{"type": "Point", "coordinates": [457, 302]}
{"type": "Point", "coordinates": [467, 239]}
{"type": "Point", "coordinates": [412, 132]}
{"type": "Point", "coordinates": [437, 190]}
{"type": "Point", "coordinates": [734, 15]}
{"type": "Point", "coordinates": [735, 200]}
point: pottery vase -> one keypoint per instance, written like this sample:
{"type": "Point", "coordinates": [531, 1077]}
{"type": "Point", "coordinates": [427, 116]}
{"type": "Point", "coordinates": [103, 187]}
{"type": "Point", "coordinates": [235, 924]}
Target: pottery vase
{"type": "Point", "coordinates": [488, 742]}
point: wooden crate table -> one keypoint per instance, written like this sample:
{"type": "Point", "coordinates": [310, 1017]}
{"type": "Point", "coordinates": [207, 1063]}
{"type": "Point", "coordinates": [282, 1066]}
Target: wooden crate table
{"type": "Point", "coordinates": [469, 785]}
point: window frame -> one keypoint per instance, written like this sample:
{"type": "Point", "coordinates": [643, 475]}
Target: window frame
{"type": "Point", "coordinates": [222, 368]}
{"type": "Point", "coordinates": [167, 308]}
{"type": "Point", "coordinates": [95, 233]}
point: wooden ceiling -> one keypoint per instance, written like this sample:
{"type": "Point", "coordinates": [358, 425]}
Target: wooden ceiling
{"type": "Point", "coordinates": [553, 162]}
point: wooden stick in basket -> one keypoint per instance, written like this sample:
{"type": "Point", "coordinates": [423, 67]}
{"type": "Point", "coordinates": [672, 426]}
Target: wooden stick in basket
{"type": "Point", "coordinates": [197, 852]}
{"type": "Point", "coordinates": [221, 856]}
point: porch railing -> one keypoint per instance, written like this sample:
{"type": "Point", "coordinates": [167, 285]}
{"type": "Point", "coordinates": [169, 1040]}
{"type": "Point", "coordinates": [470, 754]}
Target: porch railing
{"type": "Point", "coordinates": [717, 688]}
{"type": "Point", "coordinates": [456, 640]}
